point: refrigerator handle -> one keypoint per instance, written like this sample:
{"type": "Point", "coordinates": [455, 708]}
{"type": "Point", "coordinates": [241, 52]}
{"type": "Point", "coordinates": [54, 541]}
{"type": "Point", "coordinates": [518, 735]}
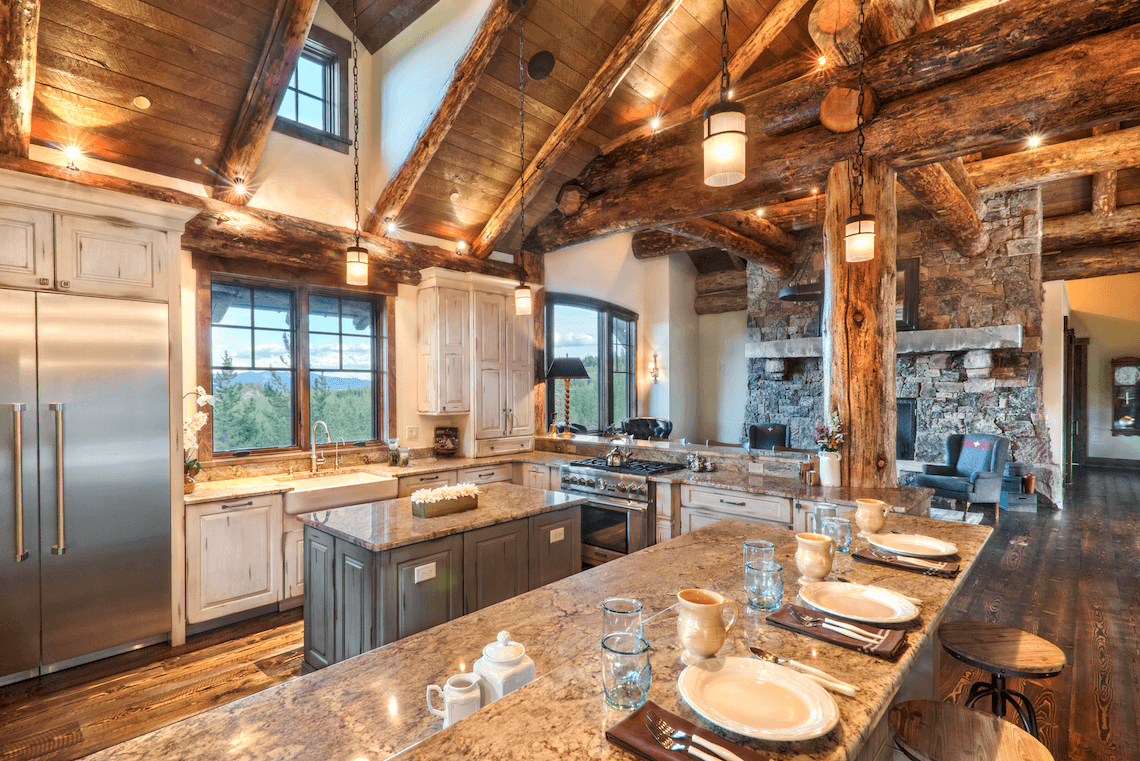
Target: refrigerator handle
{"type": "Point", "coordinates": [18, 467]}
{"type": "Point", "coordinates": [60, 546]}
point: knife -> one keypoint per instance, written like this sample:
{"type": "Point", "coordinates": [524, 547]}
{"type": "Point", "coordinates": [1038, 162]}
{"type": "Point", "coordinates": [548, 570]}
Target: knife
{"type": "Point", "coordinates": [836, 685]}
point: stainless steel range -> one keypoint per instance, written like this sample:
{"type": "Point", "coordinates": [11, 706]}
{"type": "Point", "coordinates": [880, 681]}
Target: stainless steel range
{"type": "Point", "coordinates": [620, 516]}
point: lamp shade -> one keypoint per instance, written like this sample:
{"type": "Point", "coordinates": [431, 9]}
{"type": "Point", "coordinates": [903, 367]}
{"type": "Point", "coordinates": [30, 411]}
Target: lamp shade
{"type": "Point", "coordinates": [567, 367]}
{"type": "Point", "coordinates": [859, 238]}
{"type": "Point", "coordinates": [724, 144]}
{"type": "Point", "coordinates": [523, 301]}
{"type": "Point", "coordinates": [356, 266]}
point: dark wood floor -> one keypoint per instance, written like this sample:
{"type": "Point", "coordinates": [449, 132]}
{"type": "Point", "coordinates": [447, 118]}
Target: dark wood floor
{"type": "Point", "coordinates": [1072, 577]}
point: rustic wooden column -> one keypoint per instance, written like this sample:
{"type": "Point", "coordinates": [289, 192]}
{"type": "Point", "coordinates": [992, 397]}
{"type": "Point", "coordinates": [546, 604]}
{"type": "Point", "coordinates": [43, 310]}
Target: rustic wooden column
{"type": "Point", "coordinates": [859, 329]}
{"type": "Point", "coordinates": [19, 29]}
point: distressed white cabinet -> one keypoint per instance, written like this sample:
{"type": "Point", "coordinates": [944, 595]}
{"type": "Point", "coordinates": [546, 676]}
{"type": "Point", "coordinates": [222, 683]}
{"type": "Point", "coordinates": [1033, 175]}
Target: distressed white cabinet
{"type": "Point", "coordinates": [26, 247]}
{"type": "Point", "coordinates": [409, 484]}
{"type": "Point", "coordinates": [487, 475]}
{"type": "Point", "coordinates": [233, 556]}
{"type": "Point", "coordinates": [504, 368]}
{"type": "Point", "coordinates": [535, 476]}
{"type": "Point", "coordinates": [293, 545]}
{"type": "Point", "coordinates": [701, 506]}
{"type": "Point", "coordinates": [444, 358]}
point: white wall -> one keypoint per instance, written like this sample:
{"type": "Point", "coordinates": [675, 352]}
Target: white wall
{"type": "Point", "coordinates": [723, 376]}
{"type": "Point", "coordinates": [1104, 309]}
{"type": "Point", "coordinates": [1055, 308]}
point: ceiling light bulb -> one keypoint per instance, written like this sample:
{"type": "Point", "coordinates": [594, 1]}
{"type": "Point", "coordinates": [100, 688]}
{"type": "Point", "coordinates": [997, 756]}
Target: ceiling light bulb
{"type": "Point", "coordinates": [729, 94]}
{"type": "Point", "coordinates": [461, 245]}
{"type": "Point", "coordinates": [72, 154]}
{"type": "Point", "coordinates": [815, 191]}
{"type": "Point", "coordinates": [239, 188]}
{"type": "Point", "coordinates": [655, 123]}
{"type": "Point", "coordinates": [1034, 141]}
{"type": "Point", "coordinates": [391, 226]}
{"type": "Point", "coordinates": [823, 60]}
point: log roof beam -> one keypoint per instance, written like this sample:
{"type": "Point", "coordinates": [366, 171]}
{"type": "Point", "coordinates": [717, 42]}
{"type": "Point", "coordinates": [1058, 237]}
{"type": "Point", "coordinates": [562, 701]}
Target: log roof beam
{"type": "Point", "coordinates": [575, 121]}
{"type": "Point", "coordinates": [714, 234]}
{"type": "Point", "coordinates": [19, 32]}
{"type": "Point", "coordinates": [1104, 182]}
{"type": "Point", "coordinates": [498, 18]}
{"type": "Point", "coordinates": [283, 46]}
{"type": "Point", "coordinates": [1097, 261]}
{"type": "Point", "coordinates": [933, 188]}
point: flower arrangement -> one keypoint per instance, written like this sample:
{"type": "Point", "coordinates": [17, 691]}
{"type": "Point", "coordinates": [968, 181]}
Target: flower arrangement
{"type": "Point", "coordinates": [829, 437]}
{"type": "Point", "coordinates": [444, 493]}
{"type": "Point", "coordinates": [190, 428]}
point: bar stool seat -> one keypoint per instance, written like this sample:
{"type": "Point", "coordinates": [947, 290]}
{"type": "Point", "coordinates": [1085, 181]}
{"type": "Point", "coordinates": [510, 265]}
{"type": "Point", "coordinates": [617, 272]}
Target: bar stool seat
{"type": "Point", "coordinates": [1003, 651]}
{"type": "Point", "coordinates": [926, 730]}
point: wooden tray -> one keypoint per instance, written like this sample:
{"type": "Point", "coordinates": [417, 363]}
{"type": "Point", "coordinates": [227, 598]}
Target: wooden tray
{"type": "Point", "coordinates": [446, 507]}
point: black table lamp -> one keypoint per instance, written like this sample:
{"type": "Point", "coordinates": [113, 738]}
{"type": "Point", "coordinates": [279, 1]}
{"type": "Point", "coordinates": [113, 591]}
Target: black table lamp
{"type": "Point", "coordinates": [567, 368]}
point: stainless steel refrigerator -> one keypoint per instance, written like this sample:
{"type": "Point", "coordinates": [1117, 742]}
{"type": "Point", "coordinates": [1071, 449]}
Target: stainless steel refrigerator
{"type": "Point", "coordinates": [84, 479]}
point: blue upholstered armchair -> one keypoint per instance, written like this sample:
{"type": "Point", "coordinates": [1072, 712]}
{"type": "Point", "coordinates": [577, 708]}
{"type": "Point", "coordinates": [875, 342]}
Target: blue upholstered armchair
{"type": "Point", "coordinates": [645, 427]}
{"type": "Point", "coordinates": [973, 471]}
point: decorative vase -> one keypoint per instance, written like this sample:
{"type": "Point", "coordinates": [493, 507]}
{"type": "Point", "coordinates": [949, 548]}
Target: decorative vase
{"type": "Point", "coordinates": [188, 483]}
{"type": "Point", "coordinates": [828, 468]}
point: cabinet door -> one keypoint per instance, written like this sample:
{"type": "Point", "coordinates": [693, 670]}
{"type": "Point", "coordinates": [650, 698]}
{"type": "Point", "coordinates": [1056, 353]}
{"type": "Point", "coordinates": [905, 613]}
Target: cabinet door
{"type": "Point", "coordinates": [555, 546]}
{"type": "Point", "coordinates": [410, 484]}
{"type": "Point", "coordinates": [26, 247]}
{"type": "Point", "coordinates": [691, 520]}
{"type": "Point", "coordinates": [294, 564]}
{"type": "Point", "coordinates": [102, 258]}
{"type": "Point", "coordinates": [454, 350]}
{"type": "Point", "coordinates": [233, 554]}
{"type": "Point", "coordinates": [520, 374]}
{"type": "Point", "coordinates": [320, 596]}
{"type": "Point", "coordinates": [422, 587]}
{"type": "Point", "coordinates": [355, 600]}
{"type": "Point", "coordinates": [536, 476]}
{"type": "Point", "coordinates": [495, 564]}
{"type": "Point", "coordinates": [490, 366]}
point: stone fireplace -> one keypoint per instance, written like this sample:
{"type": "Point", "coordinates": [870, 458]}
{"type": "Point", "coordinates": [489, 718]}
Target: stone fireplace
{"type": "Point", "coordinates": [973, 364]}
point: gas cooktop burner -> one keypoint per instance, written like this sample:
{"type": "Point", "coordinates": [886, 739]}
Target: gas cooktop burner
{"type": "Point", "coordinates": [632, 467]}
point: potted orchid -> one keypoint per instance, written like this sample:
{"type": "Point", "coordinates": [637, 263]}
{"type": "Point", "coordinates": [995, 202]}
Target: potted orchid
{"type": "Point", "coordinates": [190, 428]}
{"type": "Point", "coordinates": [828, 438]}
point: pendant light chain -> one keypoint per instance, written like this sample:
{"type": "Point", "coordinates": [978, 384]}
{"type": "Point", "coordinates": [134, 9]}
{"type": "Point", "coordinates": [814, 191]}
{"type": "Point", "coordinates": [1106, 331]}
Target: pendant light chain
{"type": "Point", "coordinates": [725, 84]}
{"type": "Point", "coordinates": [858, 165]}
{"type": "Point", "coordinates": [522, 136]}
{"type": "Point", "coordinates": [355, 127]}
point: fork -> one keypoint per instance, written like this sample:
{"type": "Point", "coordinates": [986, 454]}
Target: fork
{"type": "Point", "coordinates": [652, 720]}
{"type": "Point", "coordinates": [858, 635]}
{"type": "Point", "coordinates": [668, 743]}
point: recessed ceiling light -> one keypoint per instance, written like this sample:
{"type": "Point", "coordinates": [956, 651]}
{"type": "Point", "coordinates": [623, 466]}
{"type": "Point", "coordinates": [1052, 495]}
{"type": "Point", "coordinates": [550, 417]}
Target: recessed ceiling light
{"type": "Point", "coordinates": [453, 195]}
{"type": "Point", "coordinates": [142, 102]}
{"type": "Point", "coordinates": [655, 123]}
{"type": "Point", "coordinates": [815, 191]}
{"type": "Point", "coordinates": [240, 189]}
{"type": "Point", "coordinates": [1034, 141]}
{"type": "Point", "coordinates": [72, 154]}
{"type": "Point", "coordinates": [823, 60]}
{"type": "Point", "coordinates": [391, 226]}
{"type": "Point", "coordinates": [461, 246]}
{"type": "Point", "coordinates": [759, 212]}
{"type": "Point", "coordinates": [198, 161]}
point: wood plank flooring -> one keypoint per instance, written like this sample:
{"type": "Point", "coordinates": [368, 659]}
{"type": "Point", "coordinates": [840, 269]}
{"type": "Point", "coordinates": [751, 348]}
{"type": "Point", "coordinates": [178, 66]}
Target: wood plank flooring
{"type": "Point", "coordinates": [1072, 577]}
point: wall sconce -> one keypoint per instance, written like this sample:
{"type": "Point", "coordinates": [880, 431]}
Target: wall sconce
{"type": "Point", "coordinates": [654, 368]}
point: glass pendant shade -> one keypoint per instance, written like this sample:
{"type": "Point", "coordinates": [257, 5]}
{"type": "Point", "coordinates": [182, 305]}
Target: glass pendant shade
{"type": "Point", "coordinates": [859, 238]}
{"type": "Point", "coordinates": [724, 144]}
{"type": "Point", "coordinates": [523, 302]}
{"type": "Point", "coordinates": [356, 267]}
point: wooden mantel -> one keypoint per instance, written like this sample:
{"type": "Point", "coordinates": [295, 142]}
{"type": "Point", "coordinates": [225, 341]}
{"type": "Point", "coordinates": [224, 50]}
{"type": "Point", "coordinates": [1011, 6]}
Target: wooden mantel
{"type": "Point", "coordinates": [909, 342]}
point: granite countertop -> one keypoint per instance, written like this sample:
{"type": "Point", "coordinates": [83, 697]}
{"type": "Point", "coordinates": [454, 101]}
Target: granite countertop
{"type": "Point", "coordinates": [385, 525]}
{"type": "Point", "coordinates": [901, 498]}
{"type": "Point", "coordinates": [373, 706]}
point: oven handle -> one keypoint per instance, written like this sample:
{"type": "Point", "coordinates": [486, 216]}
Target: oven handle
{"type": "Point", "coordinates": [628, 507]}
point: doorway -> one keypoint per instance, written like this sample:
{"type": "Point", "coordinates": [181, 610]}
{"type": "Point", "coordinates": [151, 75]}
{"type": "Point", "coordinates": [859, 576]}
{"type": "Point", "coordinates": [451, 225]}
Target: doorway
{"type": "Point", "coordinates": [1076, 401]}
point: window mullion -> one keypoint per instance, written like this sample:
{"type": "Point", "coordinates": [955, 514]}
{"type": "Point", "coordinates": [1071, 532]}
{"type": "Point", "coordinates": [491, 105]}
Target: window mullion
{"type": "Point", "coordinates": [301, 367]}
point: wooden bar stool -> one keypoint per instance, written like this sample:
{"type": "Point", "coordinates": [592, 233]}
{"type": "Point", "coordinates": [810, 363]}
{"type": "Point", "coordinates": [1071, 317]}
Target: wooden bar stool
{"type": "Point", "coordinates": [1002, 651]}
{"type": "Point", "coordinates": [926, 730]}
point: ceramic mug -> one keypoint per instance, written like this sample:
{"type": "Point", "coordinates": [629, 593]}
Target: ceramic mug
{"type": "Point", "coordinates": [871, 516]}
{"type": "Point", "coordinates": [461, 697]}
{"type": "Point", "coordinates": [814, 555]}
{"type": "Point", "coordinates": [700, 625]}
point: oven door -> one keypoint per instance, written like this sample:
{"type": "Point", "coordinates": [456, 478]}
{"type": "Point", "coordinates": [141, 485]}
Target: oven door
{"type": "Point", "coordinates": [612, 529]}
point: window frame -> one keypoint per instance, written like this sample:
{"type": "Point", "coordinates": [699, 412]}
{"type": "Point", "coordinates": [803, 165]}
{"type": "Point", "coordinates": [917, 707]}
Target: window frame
{"type": "Point", "coordinates": [302, 284]}
{"type": "Point", "coordinates": [606, 314]}
{"type": "Point", "coordinates": [338, 51]}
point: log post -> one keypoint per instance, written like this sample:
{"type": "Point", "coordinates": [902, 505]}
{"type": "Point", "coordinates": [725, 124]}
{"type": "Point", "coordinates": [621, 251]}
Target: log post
{"type": "Point", "coordinates": [859, 329]}
{"type": "Point", "coordinates": [1104, 183]}
{"type": "Point", "coordinates": [19, 30]}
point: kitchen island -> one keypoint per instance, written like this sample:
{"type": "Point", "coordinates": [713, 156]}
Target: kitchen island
{"type": "Point", "coordinates": [373, 706]}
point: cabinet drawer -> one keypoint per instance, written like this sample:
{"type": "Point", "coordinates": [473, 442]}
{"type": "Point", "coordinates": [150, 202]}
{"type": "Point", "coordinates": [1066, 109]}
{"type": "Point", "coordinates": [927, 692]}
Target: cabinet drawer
{"type": "Point", "coordinates": [487, 475]}
{"type": "Point", "coordinates": [488, 447]}
{"type": "Point", "coordinates": [410, 484]}
{"type": "Point", "coordinates": [737, 503]}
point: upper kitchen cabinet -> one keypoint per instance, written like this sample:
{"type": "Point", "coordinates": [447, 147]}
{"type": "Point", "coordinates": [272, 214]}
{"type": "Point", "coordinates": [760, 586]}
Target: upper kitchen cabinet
{"type": "Point", "coordinates": [104, 258]}
{"type": "Point", "coordinates": [27, 250]}
{"type": "Point", "coordinates": [444, 318]}
{"type": "Point", "coordinates": [504, 368]}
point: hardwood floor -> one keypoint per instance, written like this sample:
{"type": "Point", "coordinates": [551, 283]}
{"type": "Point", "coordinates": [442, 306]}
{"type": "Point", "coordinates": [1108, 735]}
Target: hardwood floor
{"type": "Point", "coordinates": [1072, 577]}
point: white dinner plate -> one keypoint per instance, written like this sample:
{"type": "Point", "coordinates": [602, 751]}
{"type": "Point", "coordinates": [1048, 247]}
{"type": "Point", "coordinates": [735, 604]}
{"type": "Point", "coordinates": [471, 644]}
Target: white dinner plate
{"type": "Point", "coordinates": [914, 545]}
{"type": "Point", "coordinates": [758, 699]}
{"type": "Point", "coordinates": [872, 605]}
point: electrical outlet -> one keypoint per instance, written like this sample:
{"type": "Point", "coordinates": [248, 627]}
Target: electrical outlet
{"type": "Point", "coordinates": [557, 535]}
{"type": "Point", "coordinates": [425, 572]}
{"type": "Point", "coordinates": [413, 433]}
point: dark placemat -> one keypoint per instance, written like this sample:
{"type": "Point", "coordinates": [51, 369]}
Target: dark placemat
{"type": "Point", "coordinates": [891, 647]}
{"type": "Point", "coordinates": [631, 734]}
{"type": "Point", "coordinates": [949, 572]}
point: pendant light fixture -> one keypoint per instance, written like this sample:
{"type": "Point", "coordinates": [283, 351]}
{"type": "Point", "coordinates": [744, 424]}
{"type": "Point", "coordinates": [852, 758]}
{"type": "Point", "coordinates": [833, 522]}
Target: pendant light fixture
{"type": "Point", "coordinates": [523, 302]}
{"type": "Point", "coordinates": [724, 125]}
{"type": "Point", "coordinates": [356, 257]}
{"type": "Point", "coordinates": [859, 237]}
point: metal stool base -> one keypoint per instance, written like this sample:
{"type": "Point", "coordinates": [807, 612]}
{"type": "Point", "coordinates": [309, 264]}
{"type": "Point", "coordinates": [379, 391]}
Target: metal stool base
{"type": "Point", "coordinates": [999, 694]}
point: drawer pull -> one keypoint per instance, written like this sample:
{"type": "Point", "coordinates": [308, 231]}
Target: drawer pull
{"type": "Point", "coordinates": [730, 502]}
{"type": "Point", "coordinates": [243, 504]}
{"type": "Point", "coordinates": [486, 475]}
{"type": "Point", "coordinates": [428, 478]}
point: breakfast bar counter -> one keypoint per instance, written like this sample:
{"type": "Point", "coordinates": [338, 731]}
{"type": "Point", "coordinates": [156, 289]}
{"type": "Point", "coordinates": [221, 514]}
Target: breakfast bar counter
{"type": "Point", "coordinates": [373, 706]}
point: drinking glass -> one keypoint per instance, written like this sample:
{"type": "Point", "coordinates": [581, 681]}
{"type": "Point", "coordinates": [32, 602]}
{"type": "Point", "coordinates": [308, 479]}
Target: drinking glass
{"type": "Point", "coordinates": [764, 585]}
{"type": "Point", "coordinates": [838, 529]}
{"type": "Point", "coordinates": [621, 615]}
{"type": "Point", "coordinates": [405, 456]}
{"type": "Point", "coordinates": [759, 552]}
{"type": "Point", "coordinates": [819, 513]}
{"type": "Point", "coordinates": [626, 673]}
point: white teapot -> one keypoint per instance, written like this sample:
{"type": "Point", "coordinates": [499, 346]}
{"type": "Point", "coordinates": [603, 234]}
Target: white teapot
{"type": "Point", "coordinates": [505, 667]}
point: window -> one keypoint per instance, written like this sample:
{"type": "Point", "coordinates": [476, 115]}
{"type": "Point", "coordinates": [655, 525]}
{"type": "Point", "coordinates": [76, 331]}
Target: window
{"type": "Point", "coordinates": [285, 356]}
{"type": "Point", "coordinates": [315, 104]}
{"type": "Point", "coordinates": [604, 337]}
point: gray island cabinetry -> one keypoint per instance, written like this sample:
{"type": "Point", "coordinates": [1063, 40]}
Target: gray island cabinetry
{"type": "Point", "coordinates": [375, 574]}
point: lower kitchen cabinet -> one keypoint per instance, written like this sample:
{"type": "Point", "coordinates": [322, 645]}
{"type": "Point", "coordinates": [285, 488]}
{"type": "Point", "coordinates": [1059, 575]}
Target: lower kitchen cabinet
{"type": "Point", "coordinates": [320, 598]}
{"type": "Point", "coordinates": [535, 476]}
{"type": "Point", "coordinates": [495, 564]}
{"type": "Point", "coordinates": [695, 518]}
{"type": "Point", "coordinates": [703, 506]}
{"type": "Point", "coordinates": [410, 484]}
{"type": "Point", "coordinates": [354, 585]}
{"type": "Point", "coordinates": [422, 587]}
{"type": "Point", "coordinates": [555, 546]}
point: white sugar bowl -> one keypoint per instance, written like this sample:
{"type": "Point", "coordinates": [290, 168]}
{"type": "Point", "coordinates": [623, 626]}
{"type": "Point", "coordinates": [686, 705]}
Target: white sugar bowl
{"type": "Point", "coordinates": [505, 667]}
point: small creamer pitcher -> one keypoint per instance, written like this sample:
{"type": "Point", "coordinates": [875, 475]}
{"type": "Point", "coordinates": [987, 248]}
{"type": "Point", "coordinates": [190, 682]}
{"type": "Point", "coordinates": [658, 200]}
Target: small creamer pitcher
{"type": "Point", "coordinates": [700, 626]}
{"type": "Point", "coordinates": [871, 516]}
{"type": "Point", "coordinates": [814, 555]}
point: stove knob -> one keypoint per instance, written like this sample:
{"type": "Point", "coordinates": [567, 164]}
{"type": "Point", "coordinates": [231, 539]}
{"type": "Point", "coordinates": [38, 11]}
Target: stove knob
{"type": "Point", "coordinates": [565, 479]}
{"type": "Point", "coordinates": [641, 489]}
{"type": "Point", "coordinates": [590, 482]}
{"type": "Point", "coordinates": [623, 487]}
